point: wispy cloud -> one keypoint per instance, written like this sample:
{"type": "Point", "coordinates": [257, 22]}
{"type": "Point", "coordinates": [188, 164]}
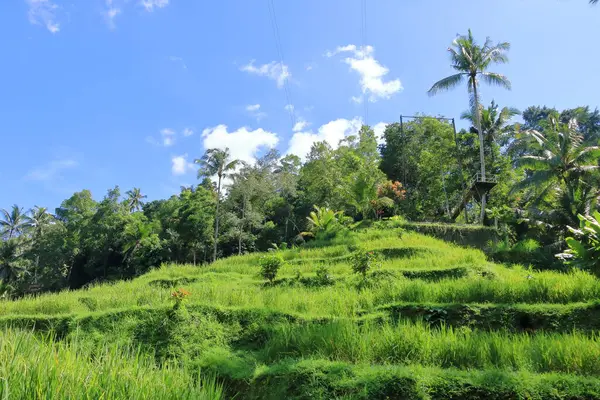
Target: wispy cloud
{"type": "Point", "coordinates": [371, 72]}
{"type": "Point", "coordinates": [168, 137]}
{"type": "Point", "coordinates": [274, 70]}
{"type": "Point", "coordinates": [178, 60]}
{"type": "Point", "coordinates": [300, 125]}
{"type": "Point", "coordinates": [111, 13]}
{"type": "Point", "coordinates": [254, 111]}
{"type": "Point", "coordinates": [150, 5]}
{"type": "Point", "coordinates": [51, 171]}
{"type": "Point", "coordinates": [43, 12]}
{"type": "Point", "coordinates": [115, 8]}
{"type": "Point", "coordinates": [187, 132]}
{"type": "Point", "coordinates": [180, 165]}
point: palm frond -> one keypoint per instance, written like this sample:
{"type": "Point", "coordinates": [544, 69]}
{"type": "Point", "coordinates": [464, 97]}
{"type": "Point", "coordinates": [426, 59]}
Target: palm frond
{"type": "Point", "coordinates": [450, 82]}
{"type": "Point", "coordinates": [492, 78]}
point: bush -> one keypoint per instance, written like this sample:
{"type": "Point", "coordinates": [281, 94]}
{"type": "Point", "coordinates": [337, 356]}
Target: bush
{"type": "Point", "coordinates": [584, 246]}
{"type": "Point", "coordinates": [323, 278]}
{"type": "Point", "coordinates": [363, 261]}
{"type": "Point", "coordinates": [269, 266]}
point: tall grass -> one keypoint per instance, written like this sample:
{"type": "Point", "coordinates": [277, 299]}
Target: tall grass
{"type": "Point", "coordinates": [35, 368]}
{"type": "Point", "coordinates": [345, 298]}
{"type": "Point", "coordinates": [407, 343]}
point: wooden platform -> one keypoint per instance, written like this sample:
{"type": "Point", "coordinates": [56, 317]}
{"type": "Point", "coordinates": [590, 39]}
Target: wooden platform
{"type": "Point", "coordinates": [478, 186]}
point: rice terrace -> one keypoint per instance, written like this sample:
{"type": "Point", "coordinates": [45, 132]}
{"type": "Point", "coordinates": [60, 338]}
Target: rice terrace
{"type": "Point", "coordinates": [305, 224]}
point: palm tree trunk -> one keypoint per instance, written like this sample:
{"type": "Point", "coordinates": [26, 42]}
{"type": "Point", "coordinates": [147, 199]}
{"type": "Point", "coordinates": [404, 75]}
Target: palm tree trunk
{"type": "Point", "coordinates": [217, 218]}
{"type": "Point", "coordinates": [242, 226]}
{"type": "Point", "coordinates": [481, 146]}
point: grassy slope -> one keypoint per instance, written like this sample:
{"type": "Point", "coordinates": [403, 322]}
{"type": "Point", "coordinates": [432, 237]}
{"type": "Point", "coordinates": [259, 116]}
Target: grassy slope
{"type": "Point", "coordinates": [435, 321]}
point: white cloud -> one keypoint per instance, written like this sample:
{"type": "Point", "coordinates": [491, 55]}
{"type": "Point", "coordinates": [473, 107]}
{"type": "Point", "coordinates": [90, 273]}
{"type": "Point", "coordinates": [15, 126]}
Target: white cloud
{"type": "Point", "coordinates": [52, 170]}
{"type": "Point", "coordinates": [379, 128]}
{"type": "Point", "coordinates": [43, 12]}
{"type": "Point", "coordinates": [274, 70]}
{"type": "Point", "coordinates": [180, 165]}
{"type": "Point", "coordinates": [254, 110]}
{"type": "Point", "coordinates": [168, 136]}
{"type": "Point", "coordinates": [289, 107]}
{"type": "Point", "coordinates": [187, 132]}
{"type": "Point", "coordinates": [111, 13]}
{"type": "Point", "coordinates": [242, 143]}
{"type": "Point", "coordinates": [300, 125]}
{"type": "Point", "coordinates": [371, 72]}
{"type": "Point", "coordinates": [149, 5]}
{"type": "Point", "coordinates": [331, 132]}
{"type": "Point", "coordinates": [179, 60]}
{"type": "Point", "coordinates": [357, 99]}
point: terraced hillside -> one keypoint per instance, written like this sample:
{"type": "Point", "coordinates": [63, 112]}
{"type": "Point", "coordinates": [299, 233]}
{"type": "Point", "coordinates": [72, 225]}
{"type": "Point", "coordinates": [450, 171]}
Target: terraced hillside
{"type": "Point", "coordinates": [434, 321]}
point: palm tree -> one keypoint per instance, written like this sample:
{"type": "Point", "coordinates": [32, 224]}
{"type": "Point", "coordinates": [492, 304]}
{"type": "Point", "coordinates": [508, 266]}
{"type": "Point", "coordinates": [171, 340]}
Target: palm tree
{"type": "Point", "coordinates": [472, 61]}
{"type": "Point", "coordinates": [135, 199]}
{"type": "Point", "coordinates": [558, 162]}
{"type": "Point", "coordinates": [10, 268]}
{"type": "Point", "coordinates": [494, 124]}
{"type": "Point", "coordinates": [13, 221]}
{"type": "Point", "coordinates": [38, 219]}
{"type": "Point", "coordinates": [216, 162]}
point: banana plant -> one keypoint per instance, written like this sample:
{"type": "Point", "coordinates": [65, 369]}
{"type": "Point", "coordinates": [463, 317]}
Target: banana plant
{"type": "Point", "coordinates": [584, 245]}
{"type": "Point", "coordinates": [323, 223]}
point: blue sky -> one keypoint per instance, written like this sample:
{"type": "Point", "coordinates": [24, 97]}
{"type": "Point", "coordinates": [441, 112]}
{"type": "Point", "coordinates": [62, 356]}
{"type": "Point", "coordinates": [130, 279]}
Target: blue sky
{"type": "Point", "coordinates": [98, 93]}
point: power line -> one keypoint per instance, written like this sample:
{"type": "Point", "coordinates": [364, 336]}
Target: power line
{"type": "Point", "coordinates": [286, 89]}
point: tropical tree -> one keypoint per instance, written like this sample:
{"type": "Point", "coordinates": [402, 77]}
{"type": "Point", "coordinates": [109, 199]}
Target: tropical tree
{"type": "Point", "coordinates": [135, 199]}
{"type": "Point", "coordinates": [472, 62]}
{"type": "Point", "coordinates": [216, 162]}
{"type": "Point", "coordinates": [13, 222]}
{"type": "Point", "coordinates": [323, 223]}
{"type": "Point", "coordinates": [559, 162]}
{"type": "Point", "coordinates": [38, 220]}
{"type": "Point", "coordinates": [11, 260]}
{"type": "Point", "coordinates": [495, 125]}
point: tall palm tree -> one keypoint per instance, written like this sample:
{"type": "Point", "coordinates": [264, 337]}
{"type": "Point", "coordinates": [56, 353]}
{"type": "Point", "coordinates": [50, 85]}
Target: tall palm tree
{"type": "Point", "coordinates": [135, 199]}
{"type": "Point", "coordinates": [13, 222]}
{"type": "Point", "coordinates": [495, 124]}
{"type": "Point", "coordinates": [472, 61]}
{"type": "Point", "coordinates": [38, 219]}
{"type": "Point", "coordinates": [559, 160]}
{"type": "Point", "coordinates": [216, 162]}
{"type": "Point", "coordinates": [10, 267]}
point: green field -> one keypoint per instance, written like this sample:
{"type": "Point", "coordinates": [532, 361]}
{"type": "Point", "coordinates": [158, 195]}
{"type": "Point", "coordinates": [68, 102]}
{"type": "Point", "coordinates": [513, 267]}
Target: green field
{"type": "Point", "coordinates": [433, 321]}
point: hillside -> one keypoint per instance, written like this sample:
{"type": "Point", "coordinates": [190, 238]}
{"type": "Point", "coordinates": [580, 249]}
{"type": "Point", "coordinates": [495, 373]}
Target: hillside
{"type": "Point", "coordinates": [433, 321]}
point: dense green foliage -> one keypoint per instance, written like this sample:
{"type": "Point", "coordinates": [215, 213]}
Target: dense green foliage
{"type": "Point", "coordinates": [428, 320]}
{"type": "Point", "coordinates": [172, 300]}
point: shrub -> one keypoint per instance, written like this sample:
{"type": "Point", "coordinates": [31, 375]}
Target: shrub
{"type": "Point", "coordinates": [584, 246]}
{"type": "Point", "coordinates": [269, 266]}
{"type": "Point", "coordinates": [363, 261]}
{"type": "Point", "coordinates": [323, 223]}
{"type": "Point", "coordinates": [323, 278]}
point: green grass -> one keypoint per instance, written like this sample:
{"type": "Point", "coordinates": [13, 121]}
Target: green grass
{"type": "Point", "coordinates": [435, 320]}
{"type": "Point", "coordinates": [39, 368]}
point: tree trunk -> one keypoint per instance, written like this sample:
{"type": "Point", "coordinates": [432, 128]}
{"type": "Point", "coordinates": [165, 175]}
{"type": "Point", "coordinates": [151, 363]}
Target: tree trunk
{"type": "Point", "coordinates": [242, 226]}
{"type": "Point", "coordinates": [481, 146]}
{"type": "Point", "coordinates": [217, 218]}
